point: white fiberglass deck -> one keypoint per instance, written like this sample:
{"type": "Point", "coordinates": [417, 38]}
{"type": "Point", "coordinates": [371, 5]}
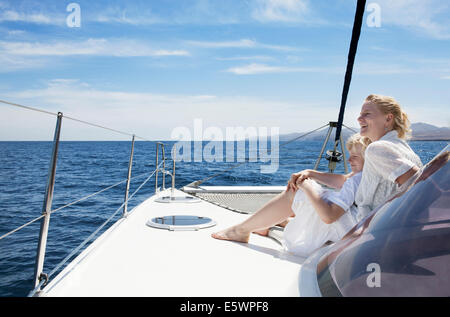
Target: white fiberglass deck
{"type": "Point", "coordinates": [133, 259]}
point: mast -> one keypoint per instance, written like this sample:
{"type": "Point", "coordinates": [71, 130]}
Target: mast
{"type": "Point", "coordinates": [360, 7]}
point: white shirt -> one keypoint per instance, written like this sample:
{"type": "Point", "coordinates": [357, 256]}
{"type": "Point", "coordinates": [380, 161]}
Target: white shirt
{"type": "Point", "coordinates": [385, 160]}
{"type": "Point", "coordinates": [345, 199]}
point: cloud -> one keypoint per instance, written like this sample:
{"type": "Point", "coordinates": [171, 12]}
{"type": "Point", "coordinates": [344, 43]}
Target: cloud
{"type": "Point", "coordinates": [429, 17]}
{"type": "Point", "coordinates": [280, 10]}
{"type": "Point", "coordinates": [208, 12]}
{"type": "Point", "coordinates": [12, 15]}
{"type": "Point", "coordinates": [197, 12]}
{"type": "Point", "coordinates": [13, 33]}
{"type": "Point", "coordinates": [12, 63]}
{"type": "Point", "coordinates": [141, 112]}
{"type": "Point", "coordinates": [21, 55]}
{"type": "Point", "coordinates": [369, 68]}
{"type": "Point", "coordinates": [253, 69]}
{"type": "Point", "coordinates": [363, 68]}
{"type": "Point", "coordinates": [128, 15]}
{"type": "Point", "coordinates": [243, 43]}
{"type": "Point", "coordinates": [101, 47]}
{"type": "Point", "coordinates": [245, 58]}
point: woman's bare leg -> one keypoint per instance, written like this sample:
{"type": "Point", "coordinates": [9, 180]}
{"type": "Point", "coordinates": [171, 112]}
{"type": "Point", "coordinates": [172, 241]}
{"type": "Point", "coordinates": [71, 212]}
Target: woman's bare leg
{"type": "Point", "coordinates": [265, 232]}
{"type": "Point", "coordinates": [277, 210]}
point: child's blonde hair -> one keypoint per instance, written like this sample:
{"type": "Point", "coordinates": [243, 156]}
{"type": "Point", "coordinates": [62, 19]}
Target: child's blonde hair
{"type": "Point", "coordinates": [358, 139]}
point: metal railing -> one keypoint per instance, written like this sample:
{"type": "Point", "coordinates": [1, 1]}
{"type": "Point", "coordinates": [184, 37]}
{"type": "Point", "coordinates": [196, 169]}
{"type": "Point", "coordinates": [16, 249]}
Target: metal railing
{"type": "Point", "coordinates": [46, 209]}
{"type": "Point", "coordinates": [163, 170]}
{"type": "Point", "coordinates": [41, 278]}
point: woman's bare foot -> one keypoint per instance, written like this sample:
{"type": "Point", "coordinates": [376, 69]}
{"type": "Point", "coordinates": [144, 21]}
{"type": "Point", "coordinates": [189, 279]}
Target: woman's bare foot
{"type": "Point", "coordinates": [232, 234]}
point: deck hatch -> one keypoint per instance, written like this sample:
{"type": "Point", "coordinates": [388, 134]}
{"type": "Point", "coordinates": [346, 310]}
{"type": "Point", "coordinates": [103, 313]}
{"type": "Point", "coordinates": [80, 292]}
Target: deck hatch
{"type": "Point", "coordinates": [181, 222]}
{"type": "Point", "coordinates": [177, 199]}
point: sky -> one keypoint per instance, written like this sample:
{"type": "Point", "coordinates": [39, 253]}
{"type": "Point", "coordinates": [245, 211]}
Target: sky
{"type": "Point", "coordinates": [150, 67]}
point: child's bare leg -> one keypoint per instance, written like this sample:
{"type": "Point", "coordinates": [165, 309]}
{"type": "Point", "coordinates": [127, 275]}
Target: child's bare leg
{"type": "Point", "coordinates": [277, 210]}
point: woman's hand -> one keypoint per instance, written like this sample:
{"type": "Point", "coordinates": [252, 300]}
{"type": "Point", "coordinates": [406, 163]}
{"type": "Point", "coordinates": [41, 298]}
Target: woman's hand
{"type": "Point", "coordinates": [304, 183]}
{"type": "Point", "coordinates": [297, 177]}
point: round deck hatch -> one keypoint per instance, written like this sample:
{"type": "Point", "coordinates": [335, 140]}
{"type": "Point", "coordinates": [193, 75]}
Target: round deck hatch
{"type": "Point", "coordinates": [177, 199]}
{"type": "Point", "coordinates": [181, 222]}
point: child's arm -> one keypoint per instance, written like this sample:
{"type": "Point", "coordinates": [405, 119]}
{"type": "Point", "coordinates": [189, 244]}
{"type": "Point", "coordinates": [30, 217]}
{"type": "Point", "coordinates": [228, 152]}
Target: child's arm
{"type": "Point", "coordinates": [329, 213]}
{"type": "Point", "coordinates": [328, 179]}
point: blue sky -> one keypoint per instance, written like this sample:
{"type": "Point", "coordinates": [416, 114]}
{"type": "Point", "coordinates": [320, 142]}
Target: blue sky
{"type": "Point", "coordinates": [148, 67]}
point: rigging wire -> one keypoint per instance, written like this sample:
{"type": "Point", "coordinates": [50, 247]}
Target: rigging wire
{"type": "Point", "coordinates": [198, 182]}
{"type": "Point", "coordinates": [73, 119]}
{"type": "Point", "coordinates": [21, 227]}
{"type": "Point", "coordinates": [28, 108]}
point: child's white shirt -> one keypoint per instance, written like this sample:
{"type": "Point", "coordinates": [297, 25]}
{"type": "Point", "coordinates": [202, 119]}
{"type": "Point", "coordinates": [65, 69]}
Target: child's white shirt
{"type": "Point", "coordinates": [345, 199]}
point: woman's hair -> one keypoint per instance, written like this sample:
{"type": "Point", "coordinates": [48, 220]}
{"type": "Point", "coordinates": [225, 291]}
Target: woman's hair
{"type": "Point", "coordinates": [390, 105]}
{"type": "Point", "coordinates": [358, 139]}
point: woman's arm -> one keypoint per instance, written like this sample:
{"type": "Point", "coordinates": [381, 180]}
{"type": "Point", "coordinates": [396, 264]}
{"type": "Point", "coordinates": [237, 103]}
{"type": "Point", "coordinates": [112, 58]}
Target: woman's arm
{"type": "Point", "coordinates": [404, 177]}
{"type": "Point", "coordinates": [328, 179]}
{"type": "Point", "coordinates": [390, 162]}
{"type": "Point", "coordinates": [328, 213]}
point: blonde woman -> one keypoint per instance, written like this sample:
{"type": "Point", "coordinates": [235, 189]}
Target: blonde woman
{"type": "Point", "coordinates": [320, 215]}
{"type": "Point", "coordinates": [390, 164]}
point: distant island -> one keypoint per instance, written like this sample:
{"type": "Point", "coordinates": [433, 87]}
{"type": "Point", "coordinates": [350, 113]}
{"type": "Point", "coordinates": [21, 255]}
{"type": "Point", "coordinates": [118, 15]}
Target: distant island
{"type": "Point", "coordinates": [427, 132]}
{"type": "Point", "coordinates": [420, 132]}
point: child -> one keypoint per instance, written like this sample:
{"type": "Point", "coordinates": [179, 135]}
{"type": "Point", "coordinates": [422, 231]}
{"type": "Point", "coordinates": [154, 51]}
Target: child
{"type": "Point", "coordinates": [323, 215]}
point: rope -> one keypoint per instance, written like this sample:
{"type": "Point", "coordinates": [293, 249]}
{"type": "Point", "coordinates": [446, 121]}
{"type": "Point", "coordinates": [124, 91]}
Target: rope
{"type": "Point", "coordinates": [73, 119]}
{"type": "Point", "coordinates": [21, 227]}
{"type": "Point", "coordinates": [283, 144]}
{"type": "Point", "coordinates": [28, 108]}
{"type": "Point", "coordinates": [196, 183]}
{"type": "Point", "coordinates": [103, 127]}
{"type": "Point", "coordinates": [88, 196]}
{"type": "Point", "coordinates": [96, 193]}
{"type": "Point", "coordinates": [353, 130]}
{"type": "Point", "coordinates": [350, 61]}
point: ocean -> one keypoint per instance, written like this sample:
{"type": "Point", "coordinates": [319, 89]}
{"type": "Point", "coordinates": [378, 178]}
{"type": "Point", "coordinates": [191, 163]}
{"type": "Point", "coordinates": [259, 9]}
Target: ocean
{"type": "Point", "coordinates": [87, 167]}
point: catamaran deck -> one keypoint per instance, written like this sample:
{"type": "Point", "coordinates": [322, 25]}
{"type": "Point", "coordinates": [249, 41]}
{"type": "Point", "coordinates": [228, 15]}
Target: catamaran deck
{"type": "Point", "coordinates": [133, 259]}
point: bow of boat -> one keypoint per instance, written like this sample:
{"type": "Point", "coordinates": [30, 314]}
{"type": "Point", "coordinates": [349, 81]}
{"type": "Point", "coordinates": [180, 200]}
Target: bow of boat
{"type": "Point", "coordinates": [133, 259]}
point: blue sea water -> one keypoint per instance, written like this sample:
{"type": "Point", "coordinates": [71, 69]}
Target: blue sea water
{"type": "Point", "coordinates": [87, 167]}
